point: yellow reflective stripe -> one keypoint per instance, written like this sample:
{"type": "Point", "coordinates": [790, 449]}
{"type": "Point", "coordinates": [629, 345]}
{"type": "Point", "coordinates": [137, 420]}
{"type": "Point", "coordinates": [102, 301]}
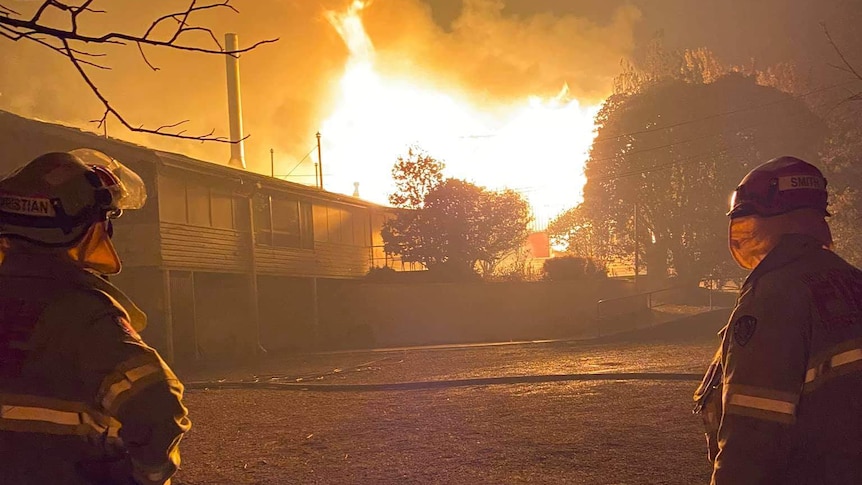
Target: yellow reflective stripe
{"type": "Point", "coordinates": [114, 392]}
{"type": "Point", "coordinates": [847, 357]}
{"type": "Point", "coordinates": [30, 400]}
{"type": "Point", "coordinates": [762, 403]}
{"type": "Point", "coordinates": [130, 377]}
{"type": "Point", "coordinates": [27, 413]}
{"type": "Point", "coordinates": [837, 360]}
{"type": "Point", "coordinates": [764, 392]}
{"type": "Point", "coordinates": [51, 420]}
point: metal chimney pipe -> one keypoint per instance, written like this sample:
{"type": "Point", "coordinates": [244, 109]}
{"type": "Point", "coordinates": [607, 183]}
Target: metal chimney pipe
{"type": "Point", "coordinates": [234, 102]}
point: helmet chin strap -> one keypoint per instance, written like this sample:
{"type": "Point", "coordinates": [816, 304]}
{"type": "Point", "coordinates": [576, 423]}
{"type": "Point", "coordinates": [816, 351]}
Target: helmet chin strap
{"type": "Point", "coordinates": [96, 252]}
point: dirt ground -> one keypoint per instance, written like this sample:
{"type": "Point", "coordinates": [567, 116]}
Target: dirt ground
{"type": "Point", "coordinates": [578, 432]}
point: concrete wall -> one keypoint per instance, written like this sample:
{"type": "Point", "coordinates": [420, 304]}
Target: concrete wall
{"type": "Point", "coordinates": [354, 314]}
{"type": "Point", "coordinates": [286, 313]}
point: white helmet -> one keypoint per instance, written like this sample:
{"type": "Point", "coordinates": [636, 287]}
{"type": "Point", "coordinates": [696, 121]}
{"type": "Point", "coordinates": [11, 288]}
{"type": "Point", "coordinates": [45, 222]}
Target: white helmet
{"type": "Point", "coordinates": [55, 198]}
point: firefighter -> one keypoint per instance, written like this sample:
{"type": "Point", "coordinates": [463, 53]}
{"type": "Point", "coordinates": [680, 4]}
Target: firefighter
{"type": "Point", "coordinates": [782, 400]}
{"type": "Point", "coordinates": [83, 400]}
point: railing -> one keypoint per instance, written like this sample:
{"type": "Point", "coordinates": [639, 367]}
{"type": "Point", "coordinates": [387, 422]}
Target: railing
{"type": "Point", "coordinates": [379, 258]}
{"type": "Point", "coordinates": [631, 304]}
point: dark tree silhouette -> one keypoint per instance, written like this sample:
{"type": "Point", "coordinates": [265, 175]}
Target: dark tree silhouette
{"type": "Point", "coordinates": [674, 151]}
{"type": "Point", "coordinates": [415, 175]}
{"type": "Point", "coordinates": [458, 226]}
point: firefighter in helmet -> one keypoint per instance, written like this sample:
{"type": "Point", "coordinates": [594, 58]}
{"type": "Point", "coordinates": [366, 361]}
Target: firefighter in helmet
{"type": "Point", "coordinates": [782, 400]}
{"type": "Point", "coordinates": [83, 400]}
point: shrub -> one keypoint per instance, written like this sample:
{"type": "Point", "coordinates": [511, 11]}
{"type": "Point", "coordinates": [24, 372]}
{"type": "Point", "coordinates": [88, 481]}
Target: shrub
{"type": "Point", "coordinates": [572, 268]}
{"type": "Point", "coordinates": [383, 274]}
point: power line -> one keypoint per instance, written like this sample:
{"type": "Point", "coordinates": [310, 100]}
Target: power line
{"type": "Point", "coordinates": [667, 165]}
{"type": "Point", "coordinates": [300, 162]}
{"type": "Point", "coordinates": [672, 144]}
{"type": "Point", "coordinates": [726, 113]}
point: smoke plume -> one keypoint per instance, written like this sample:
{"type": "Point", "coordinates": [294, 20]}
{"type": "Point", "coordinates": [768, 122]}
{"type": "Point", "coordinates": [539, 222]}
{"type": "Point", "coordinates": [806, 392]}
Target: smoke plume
{"type": "Point", "coordinates": [289, 88]}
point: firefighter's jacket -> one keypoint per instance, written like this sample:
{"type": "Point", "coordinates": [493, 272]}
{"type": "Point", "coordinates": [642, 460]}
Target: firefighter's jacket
{"type": "Point", "coordinates": [782, 401]}
{"type": "Point", "coordinates": [82, 398]}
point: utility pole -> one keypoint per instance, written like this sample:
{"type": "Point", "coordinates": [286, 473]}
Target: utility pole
{"type": "Point", "coordinates": [272, 161]}
{"type": "Point", "coordinates": [637, 249]}
{"type": "Point", "coordinates": [320, 160]}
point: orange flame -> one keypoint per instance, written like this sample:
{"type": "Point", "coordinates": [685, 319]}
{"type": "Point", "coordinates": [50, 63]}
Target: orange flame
{"type": "Point", "coordinates": [536, 146]}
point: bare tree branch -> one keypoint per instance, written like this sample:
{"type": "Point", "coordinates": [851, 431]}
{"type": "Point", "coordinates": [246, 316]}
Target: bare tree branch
{"type": "Point", "coordinates": [41, 10]}
{"type": "Point", "coordinates": [16, 36]}
{"type": "Point", "coordinates": [847, 66]}
{"type": "Point", "coordinates": [4, 10]}
{"type": "Point", "coordinates": [16, 28]}
{"type": "Point", "coordinates": [122, 38]}
{"type": "Point", "coordinates": [144, 56]}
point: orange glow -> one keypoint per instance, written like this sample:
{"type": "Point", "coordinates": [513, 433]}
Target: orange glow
{"type": "Point", "coordinates": [536, 145]}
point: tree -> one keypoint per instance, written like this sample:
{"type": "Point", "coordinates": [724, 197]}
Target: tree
{"type": "Point", "coordinates": [415, 175]}
{"type": "Point", "coordinates": [70, 40]}
{"type": "Point", "coordinates": [674, 151]}
{"type": "Point", "coordinates": [457, 226]}
{"type": "Point", "coordinates": [840, 156]}
{"type": "Point", "coordinates": [589, 237]}
{"type": "Point", "coordinates": [505, 218]}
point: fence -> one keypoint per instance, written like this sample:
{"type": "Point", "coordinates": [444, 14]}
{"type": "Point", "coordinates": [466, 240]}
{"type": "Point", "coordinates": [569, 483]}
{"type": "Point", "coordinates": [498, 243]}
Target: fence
{"type": "Point", "coordinates": [685, 295]}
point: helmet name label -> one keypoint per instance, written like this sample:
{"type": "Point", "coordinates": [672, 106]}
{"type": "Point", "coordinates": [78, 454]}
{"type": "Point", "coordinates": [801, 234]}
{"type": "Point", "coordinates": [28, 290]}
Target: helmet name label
{"type": "Point", "coordinates": [28, 206]}
{"type": "Point", "coordinates": [793, 182]}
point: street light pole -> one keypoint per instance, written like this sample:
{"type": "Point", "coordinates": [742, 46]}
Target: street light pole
{"type": "Point", "coordinates": [637, 249]}
{"type": "Point", "coordinates": [320, 160]}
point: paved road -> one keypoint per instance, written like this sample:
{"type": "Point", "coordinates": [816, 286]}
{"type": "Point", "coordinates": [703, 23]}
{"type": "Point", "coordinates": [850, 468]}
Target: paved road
{"type": "Point", "coordinates": [672, 348]}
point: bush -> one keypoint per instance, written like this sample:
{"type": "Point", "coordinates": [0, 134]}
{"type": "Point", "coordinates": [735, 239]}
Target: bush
{"type": "Point", "coordinates": [572, 268]}
{"type": "Point", "coordinates": [383, 274]}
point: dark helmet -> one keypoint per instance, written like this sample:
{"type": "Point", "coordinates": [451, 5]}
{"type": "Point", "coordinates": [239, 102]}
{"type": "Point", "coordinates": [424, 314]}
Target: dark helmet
{"type": "Point", "coordinates": [778, 186]}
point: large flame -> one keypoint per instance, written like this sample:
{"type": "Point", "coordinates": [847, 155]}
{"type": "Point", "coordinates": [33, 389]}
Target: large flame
{"type": "Point", "coordinates": [536, 146]}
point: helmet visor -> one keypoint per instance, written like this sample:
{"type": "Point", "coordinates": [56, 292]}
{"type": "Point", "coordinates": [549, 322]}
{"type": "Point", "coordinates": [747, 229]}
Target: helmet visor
{"type": "Point", "coordinates": [126, 187]}
{"type": "Point", "coordinates": [738, 208]}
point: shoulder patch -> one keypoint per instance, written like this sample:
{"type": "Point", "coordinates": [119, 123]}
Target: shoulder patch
{"type": "Point", "coordinates": [743, 329]}
{"type": "Point", "coordinates": [126, 327]}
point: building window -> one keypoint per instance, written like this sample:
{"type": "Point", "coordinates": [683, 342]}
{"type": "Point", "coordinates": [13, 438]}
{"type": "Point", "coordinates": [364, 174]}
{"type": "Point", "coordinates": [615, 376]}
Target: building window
{"type": "Point", "coordinates": [172, 200]}
{"type": "Point", "coordinates": [262, 219]}
{"type": "Point", "coordinates": [333, 217]}
{"type": "Point", "coordinates": [198, 200]}
{"type": "Point", "coordinates": [221, 210]}
{"type": "Point", "coordinates": [306, 225]}
{"type": "Point", "coordinates": [346, 226]}
{"type": "Point", "coordinates": [360, 228]}
{"type": "Point", "coordinates": [240, 213]}
{"type": "Point", "coordinates": [321, 231]}
{"type": "Point", "coordinates": [285, 222]}
{"type": "Point", "coordinates": [196, 204]}
{"type": "Point", "coordinates": [341, 225]}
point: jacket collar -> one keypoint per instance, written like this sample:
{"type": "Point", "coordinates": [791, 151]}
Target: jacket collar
{"type": "Point", "coordinates": [790, 248]}
{"type": "Point", "coordinates": [57, 268]}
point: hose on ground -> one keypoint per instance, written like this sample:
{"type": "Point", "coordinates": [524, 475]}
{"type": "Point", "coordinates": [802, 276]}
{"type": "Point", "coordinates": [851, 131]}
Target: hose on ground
{"type": "Point", "coordinates": [442, 384]}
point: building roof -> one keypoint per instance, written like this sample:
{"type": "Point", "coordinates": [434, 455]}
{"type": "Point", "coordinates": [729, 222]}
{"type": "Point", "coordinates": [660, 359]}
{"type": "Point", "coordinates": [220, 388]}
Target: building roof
{"type": "Point", "coordinates": [144, 154]}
